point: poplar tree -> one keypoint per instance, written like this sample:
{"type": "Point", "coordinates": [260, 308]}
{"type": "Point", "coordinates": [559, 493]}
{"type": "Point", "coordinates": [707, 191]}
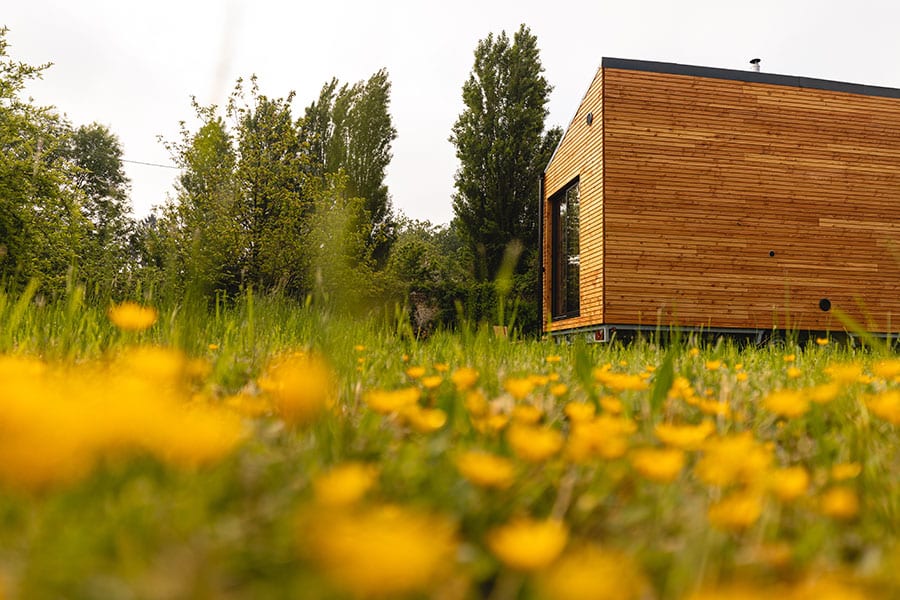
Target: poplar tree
{"type": "Point", "coordinates": [502, 147]}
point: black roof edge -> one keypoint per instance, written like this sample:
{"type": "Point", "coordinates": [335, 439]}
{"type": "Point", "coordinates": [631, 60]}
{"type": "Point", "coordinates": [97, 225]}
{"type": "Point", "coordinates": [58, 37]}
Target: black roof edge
{"type": "Point", "coordinates": [750, 77]}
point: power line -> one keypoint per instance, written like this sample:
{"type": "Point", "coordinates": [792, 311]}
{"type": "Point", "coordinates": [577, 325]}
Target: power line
{"type": "Point", "coordinates": [149, 164]}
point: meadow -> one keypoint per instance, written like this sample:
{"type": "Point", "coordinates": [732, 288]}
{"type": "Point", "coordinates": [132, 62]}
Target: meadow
{"type": "Point", "coordinates": [261, 449]}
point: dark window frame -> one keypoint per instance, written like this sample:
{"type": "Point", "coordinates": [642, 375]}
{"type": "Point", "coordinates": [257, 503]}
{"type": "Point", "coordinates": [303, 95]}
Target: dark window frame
{"type": "Point", "coordinates": [565, 302]}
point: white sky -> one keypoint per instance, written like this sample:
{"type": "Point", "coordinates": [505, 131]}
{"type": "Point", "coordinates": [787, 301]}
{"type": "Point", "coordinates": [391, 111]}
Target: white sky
{"type": "Point", "coordinates": [134, 65]}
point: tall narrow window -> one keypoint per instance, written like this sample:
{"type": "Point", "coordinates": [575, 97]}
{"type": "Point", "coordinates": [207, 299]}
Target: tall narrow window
{"type": "Point", "coordinates": [565, 254]}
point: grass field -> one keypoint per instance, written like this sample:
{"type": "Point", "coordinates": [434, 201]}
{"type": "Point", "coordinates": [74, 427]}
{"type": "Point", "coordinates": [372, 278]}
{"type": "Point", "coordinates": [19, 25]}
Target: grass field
{"type": "Point", "coordinates": [265, 450]}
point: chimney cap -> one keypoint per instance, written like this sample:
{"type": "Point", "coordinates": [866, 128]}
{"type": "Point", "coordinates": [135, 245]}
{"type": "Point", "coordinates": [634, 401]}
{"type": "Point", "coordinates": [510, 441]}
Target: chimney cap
{"type": "Point", "coordinates": [755, 61]}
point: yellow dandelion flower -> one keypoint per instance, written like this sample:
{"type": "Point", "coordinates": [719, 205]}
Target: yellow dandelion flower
{"type": "Point", "coordinates": [344, 484]}
{"type": "Point", "coordinates": [845, 373]}
{"type": "Point", "coordinates": [823, 393]}
{"type": "Point", "coordinates": [741, 376]}
{"type": "Point", "coordinates": [389, 401]}
{"type": "Point", "coordinates": [528, 545]}
{"type": "Point", "coordinates": [789, 358]}
{"type": "Point", "coordinates": [822, 341]}
{"type": "Point", "coordinates": [359, 348]}
{"type": "Point", "coordinates": [491, 423]}
{"type": "Point", "coordinates": [424, 420]}
{"type": "Point", "coordinates": [839, 502]}
{"type": "Point", "coordinates": [844, 471]}
{"type": "Point", "coordinates": [534, 444]}
{"type": "Point", "coordinates": [539, 380]}
{"type": "Point", "coordinates": [476, 403]}
{"type": "Point", "coordinates": [486, 470]}
{"type": "Point", "coordinates": [559, 390]}
{"type": "Point", "coordinates": [658, 464]}
{"type": "Point", "coordinates": [685, 437]}
{"type": "Point", "coordinates": [431, 382]}
{"type": "Point", "coordinates": [793, 372]}
{"type": "Point", "coordinates": [603, 437]}
{"type": "Point", "coordinates": [518, 388]}
{"type": "Point", "coordinates": [736, 512]}
{"type": "Point", "coordinates": [213, 347]}
{"type": "Point", "coordinates": [713, 365]}
{"type": "Point", "coordinates": [248, 405]}
{"type": "Point", "coordinates": [694, 351]}
{"type": "Point", "coordinates": [579, 412]}
{"type": "Point", "coordinates": [527, 414]}
{"type": "Point", "coordinates": [554, 359]}
{"type": "Point", "coordinates": [591, 573]}
{"type": "Point", "coordinates": [620, 382]}
{"type": "Point", "coordinates": [130, 316]}
{"type": "Point", "coordinates": [886, 405]}
{"type": "Point", "coordinates": [441, 367]}
{"type": "Point", "coordinates": [887, 369]}
{"type": "Point", "coordinates": [787, 403]}
{"type": "Point", "coordinates": [612, 405]}
{"type": "Point", "coordinates": [716, 408]}
{"type": "Point", "coordinates": [789, 483]}
{"type": "Point", "coordinates": [464, 378]}
{"type": "Point", "coordinates": [553, 376]}
{"type": "Point", "coordinates": [301, 387]}
{"type": "Point", "coordinates": [733, 459]}
{"type": "Point", "coordinates": [415, 372]}
{"type": "Point", "coordinates": [381, 552]}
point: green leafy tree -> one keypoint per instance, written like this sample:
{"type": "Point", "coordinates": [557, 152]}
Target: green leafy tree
{"type": "Point", "coordinates": [349, 129]}
{"type": "Point", "coordinates": [502, 148]}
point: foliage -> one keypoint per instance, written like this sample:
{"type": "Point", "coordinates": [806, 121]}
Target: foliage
{"type": "Point", "coordinates": [271, 450]}
{"type": "Point", "coordinates": [502, 148]}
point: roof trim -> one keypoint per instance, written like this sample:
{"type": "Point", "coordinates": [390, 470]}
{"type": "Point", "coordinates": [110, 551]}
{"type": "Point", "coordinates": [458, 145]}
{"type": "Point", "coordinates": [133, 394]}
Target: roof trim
{"type": "Point", "coordinates": [750, 77]}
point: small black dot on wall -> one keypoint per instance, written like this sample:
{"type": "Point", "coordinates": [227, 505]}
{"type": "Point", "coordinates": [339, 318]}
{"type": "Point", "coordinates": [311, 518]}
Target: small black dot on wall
{"type": "Point", "coordinates": [825, 304]}
{"type": "Point", "coordinates": [771, 253]}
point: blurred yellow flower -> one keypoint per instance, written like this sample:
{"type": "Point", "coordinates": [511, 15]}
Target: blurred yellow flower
{"type": "Point", "coordinates": [381, 552]}
{"type": "Point", "coordinates": [441, 367]}
{"type": "Point", "coordinates": [359, 348]}
{"type": "Point", "coordinates": [389, 401]}
{"type": "Point", "coordinates": [432, 381]}
{"type": "Point", "coordinates": [825, 392]}
{"type": "Point", "coordinates": [476, 403]}
{"type": "Point", "coordinates": [528, 545]}
{"type": "Point", "coordinates": [793, 372]}
{"type": "Point", "coordinates": [713, 365]}
{"type": "Point", "coordinates": [554, 359]}
{"type": "Point", "coordinates": [612, 405]}
{"type": "Point", "coordinates": [603, 437]}
{"type": "Point", "coordinates": [591, 573]}
{"type": "Point", "coordinates": [579, 412]}
{"type": "Point", "coordinates": [822, 341]}
{"type": "Point", "coordinates": [534, 444]}
{"type": "Point", "coordinates": [464, 378]}
{"type": "Point", "coordinates": [424, 420]}
{"type": "Point", "coordinates": [620, 382]}
{"type": "Point", "coordinates": [518, 388]}
{"type": "Point", "coordinates": [486, 470]}
{"type": "Point", "coordinates": [741, 376]}
{"type": "Point", "coordinates": [527, 414]}
{"type": "Point", "coordinates": [301, 387]}
{"type": "Point", "coordinates": [658, 464]}
{"type": "Point", "coordinates": [415, 372]}
{"type": "Point", "coordinates": [344, 484]}
{"type": "Point", "coordinates": [844, 471]}
{"type": "Point", "coordinates": [844, 372]}
{"type": "Point", "coordinates": [886, 405]}
{"type": "Point", "coordinates": [694, 352]}
{"type": "Point", "coordinates": [733, 459]}
{"type": "Point", "coordinates": [839, 502]}
{"type": "Point", "coordinates": [213, 347]}
{"type": "Point", "coordinates": [491, 423]}
{"type": "Point", "coordinates": [685, 437]}
{"type": "Point", "coordinates": [559, 390]}
{"type": "Point", "coordinates": [130, 316]}
{"type": "Point", "coordinates": [717, 408]}
{"type": "Point", "coordinates": [787, 403]}
{"type": "Point", "coordinates": [887, 369]}
{"type": "Point", "coordinates": [789, 358]}
{"type": "Point", "coordinates": [789, 483]}
{"type": "Point", "coordinates": [736, 511]}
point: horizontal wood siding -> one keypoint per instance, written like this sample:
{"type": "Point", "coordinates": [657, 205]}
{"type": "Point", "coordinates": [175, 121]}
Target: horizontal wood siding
{"type": "Point", "coordinates": [580, 154]}
{"type": "Point", "coordinates": [704, 178]}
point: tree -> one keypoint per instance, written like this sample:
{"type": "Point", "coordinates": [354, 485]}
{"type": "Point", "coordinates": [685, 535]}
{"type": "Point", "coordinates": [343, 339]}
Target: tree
{"type": "Point", "coordinates": [502, 148]}
{"type": "Point", "coordinates": [349, 129]}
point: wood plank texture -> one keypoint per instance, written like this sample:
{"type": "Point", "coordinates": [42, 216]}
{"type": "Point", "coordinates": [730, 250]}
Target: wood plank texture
{"type": "Point", "coordinates": [704, 178]}
{"type": "Point", "coordinates": [580, 154]}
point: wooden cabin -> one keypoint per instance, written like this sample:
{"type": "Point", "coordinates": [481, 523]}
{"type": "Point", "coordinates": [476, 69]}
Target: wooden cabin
{"type": "Point", "coordinates": [724, 200]}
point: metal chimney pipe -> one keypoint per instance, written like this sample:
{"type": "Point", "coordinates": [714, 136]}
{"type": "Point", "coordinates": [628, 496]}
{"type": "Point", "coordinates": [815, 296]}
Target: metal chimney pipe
{"type": "Point", "coordinates": [754, 64]}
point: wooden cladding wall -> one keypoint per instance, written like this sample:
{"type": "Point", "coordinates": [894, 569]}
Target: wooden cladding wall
{"type": "Point", "coordinates": [580, 154]}
{"type": "Point", "coordinates": [736, 204]}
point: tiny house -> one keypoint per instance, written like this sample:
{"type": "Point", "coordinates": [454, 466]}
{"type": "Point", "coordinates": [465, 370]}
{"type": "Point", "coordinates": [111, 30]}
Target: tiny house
{"type": "Point", "coordinates": [722, 200]}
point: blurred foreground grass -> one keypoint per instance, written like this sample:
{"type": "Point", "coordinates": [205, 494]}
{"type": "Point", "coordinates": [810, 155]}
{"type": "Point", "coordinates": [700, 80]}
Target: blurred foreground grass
{"type": "Point", "coordinates": [265, 450]}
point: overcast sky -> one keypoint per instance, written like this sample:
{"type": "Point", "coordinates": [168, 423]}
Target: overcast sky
{"type": "Point", "coordinates": [133, 66]}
